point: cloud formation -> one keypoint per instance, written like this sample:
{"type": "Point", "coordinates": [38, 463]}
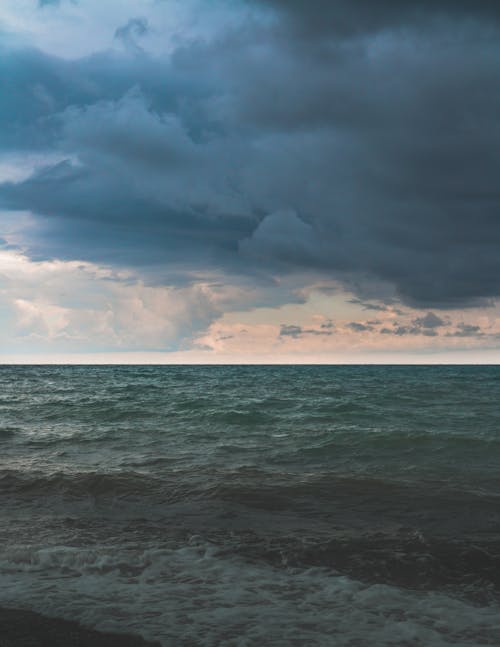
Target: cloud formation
{"type": "Point", "coordinates": [429, 321]}
{"type": "Point", "coordinates": [344, 18]}
{"type": "Point", "coordinates": [466, 330]}
{"type": "Point", "coordinates": [342, 140]}
{"type": "Point", "coordinates": [72, 305]}
{"type": "Point", "coordinates": [292, 330]}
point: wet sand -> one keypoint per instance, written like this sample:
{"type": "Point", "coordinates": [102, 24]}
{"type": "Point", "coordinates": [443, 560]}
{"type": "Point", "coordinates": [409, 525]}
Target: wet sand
{"type": "Point", "coordinates": [27, 629]}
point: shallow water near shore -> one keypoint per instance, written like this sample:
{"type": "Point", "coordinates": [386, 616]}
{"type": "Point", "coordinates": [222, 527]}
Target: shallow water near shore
{"type": "Point", "coordinates": [281, 505]}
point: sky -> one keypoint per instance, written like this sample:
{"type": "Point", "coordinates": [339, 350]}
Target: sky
{"type": "Point", "coordinates": [234, 181]}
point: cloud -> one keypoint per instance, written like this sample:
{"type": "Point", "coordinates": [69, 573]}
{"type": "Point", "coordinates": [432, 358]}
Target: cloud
{"type": "Point", "coordinates": [359, 327]}
{"type": "Point", "coordinates": [241, 333]}
{"type": "Point", "coordinates": [430, 320]}
{"type": "Point", "coordinates": [129, 33]}
{"type": "Point", "coordinates": [354, 17]}
{"type": "Point", "coordinates": [280, 238]}
{"type": "Point", "coordinates": [425, 325]}
{"type": "Point", "coordinates": [466, 330]}
{"type": "Point", "coordinates": [82, 306]}
{"type": "Point", "coordinates": [289, 330]}
{"type": "Point", "coordinates": [292, 330]}
{"type": "Point", "coordinates": [141, 192]}
{"type": "Point", "coordinates": [369, 306]}
{"type": "Point", "coordinates": [408, 330]}
{"type": "Point", "coordinates": [337, 141]}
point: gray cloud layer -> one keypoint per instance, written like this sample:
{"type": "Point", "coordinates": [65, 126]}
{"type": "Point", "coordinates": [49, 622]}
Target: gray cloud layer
{"type": "Point", "coordinates": [357, 142]}
{"type": "Point", "coordinates": [313, 18]}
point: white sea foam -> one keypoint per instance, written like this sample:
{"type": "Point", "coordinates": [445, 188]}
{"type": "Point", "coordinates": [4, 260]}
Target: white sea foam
{"type": "Point", "coordinates": [196, 595]}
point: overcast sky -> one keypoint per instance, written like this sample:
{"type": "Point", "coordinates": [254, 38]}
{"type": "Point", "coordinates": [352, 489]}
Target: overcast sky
{"type": "Point", "coordinates": [259, 180]}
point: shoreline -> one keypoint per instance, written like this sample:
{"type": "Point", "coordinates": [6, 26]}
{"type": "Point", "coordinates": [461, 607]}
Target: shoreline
{"type": "Point", "coordinates": [21, 628]}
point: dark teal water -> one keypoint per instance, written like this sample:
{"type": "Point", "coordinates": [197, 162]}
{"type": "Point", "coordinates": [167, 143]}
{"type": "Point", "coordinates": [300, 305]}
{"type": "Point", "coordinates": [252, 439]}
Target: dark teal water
{"type": "Point", "coordinates": [311, 505]}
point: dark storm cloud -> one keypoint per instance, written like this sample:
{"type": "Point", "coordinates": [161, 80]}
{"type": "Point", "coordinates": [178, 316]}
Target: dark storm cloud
{"type": "Point", "coordinates": [400, 146]}
{"type": "Point", "coordinates": [137, 188]}
{"type": "Point", "coordinates": [348, 17]}
{"type": "Point", "coordinates": [369, 154]}
{"type": "Point", "coordinates": [39, 88]}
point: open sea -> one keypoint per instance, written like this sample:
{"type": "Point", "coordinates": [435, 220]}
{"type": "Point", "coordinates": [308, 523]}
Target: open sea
{"type": "Point", "coordinates": [255, 505]}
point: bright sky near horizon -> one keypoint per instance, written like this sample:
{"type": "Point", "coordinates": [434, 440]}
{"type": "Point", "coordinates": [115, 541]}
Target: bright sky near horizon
{"type": "Point", "coordinates": [249, 181]}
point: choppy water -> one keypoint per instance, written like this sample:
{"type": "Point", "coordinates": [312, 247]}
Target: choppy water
{"type": "Point", "coordinates": [255, 505]}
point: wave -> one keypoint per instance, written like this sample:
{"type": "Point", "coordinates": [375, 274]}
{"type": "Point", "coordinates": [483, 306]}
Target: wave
{"type": "Point", "coordinates": [404, 559]}
{"type": "Point", "coordinates": [378, 580]}
{"type": "Point", "coordinates": [75, 484]}
{"type": "Point", "coordinates": [309, 495]}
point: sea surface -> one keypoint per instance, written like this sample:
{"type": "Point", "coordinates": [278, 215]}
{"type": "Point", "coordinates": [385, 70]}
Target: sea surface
{"type": "Point", "coordinates": [244, 505]}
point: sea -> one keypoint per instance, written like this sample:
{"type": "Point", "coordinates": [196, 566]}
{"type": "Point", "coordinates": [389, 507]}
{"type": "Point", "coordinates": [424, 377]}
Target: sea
{"type": "Point", "coordinates": [255, 505]}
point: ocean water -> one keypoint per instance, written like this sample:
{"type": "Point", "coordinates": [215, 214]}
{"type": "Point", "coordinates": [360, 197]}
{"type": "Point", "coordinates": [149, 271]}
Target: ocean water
{"type": "Point", "coordinates": [270, 505]}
